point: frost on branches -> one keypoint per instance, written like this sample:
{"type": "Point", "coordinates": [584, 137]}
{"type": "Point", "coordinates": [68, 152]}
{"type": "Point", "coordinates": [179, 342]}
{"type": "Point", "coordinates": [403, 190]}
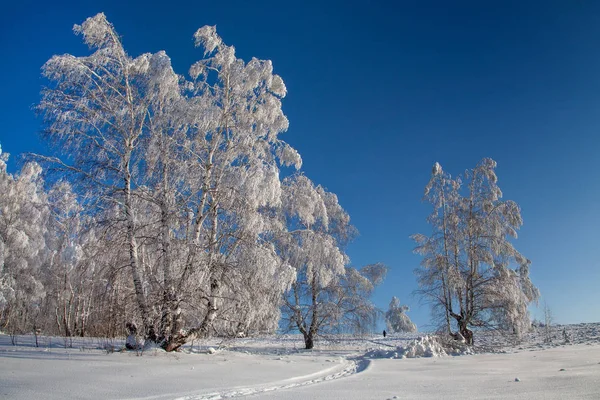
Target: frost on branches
{"type": "Point", "coordinates": [171, 214]}
{"type": "Point", "coordinates": [471, 272]}
{"type": "Point", "coordinates": [326, 295]}
{"type": "Point", "coordinates": [23, 229]}
{"type": "Point", "coordinates": [396, 319]}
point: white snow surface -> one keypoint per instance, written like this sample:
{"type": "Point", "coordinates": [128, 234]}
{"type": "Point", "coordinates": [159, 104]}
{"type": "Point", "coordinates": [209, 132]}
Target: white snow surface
{"type": "Point", "coordinates": [276, 367]}
{"type": "Point", "coordinates": [426, 346]}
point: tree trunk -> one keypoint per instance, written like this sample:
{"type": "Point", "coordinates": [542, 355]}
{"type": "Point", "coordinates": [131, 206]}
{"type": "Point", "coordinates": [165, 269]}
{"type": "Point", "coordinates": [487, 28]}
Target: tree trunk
{"type": "Point", "coordinates": [308, 341]}
{"type": "Point", "coordinates": [215, 282]}
{"type": "Point", "coordinates": [148, 329]}
{"type": "Point", "coordinates": [179, 339]}
{"type": "Point", "coordinates": [166, 329]}
{"type": "Point", "coordinates": [466, 333]}
{"type": "Point", "coordinates": [314, 325]}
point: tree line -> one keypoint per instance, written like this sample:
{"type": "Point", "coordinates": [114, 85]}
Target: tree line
{"type": "Point", "coordinates": [172, 203]}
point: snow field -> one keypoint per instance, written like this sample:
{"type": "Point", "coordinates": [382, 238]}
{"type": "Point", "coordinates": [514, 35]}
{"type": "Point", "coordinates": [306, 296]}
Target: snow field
{"type": "Point", "coordinates": [87, 372]}
{"type": "Point", "coordinates": [276, 367]}
{"type": "Point", "coordinates": [481, 376]}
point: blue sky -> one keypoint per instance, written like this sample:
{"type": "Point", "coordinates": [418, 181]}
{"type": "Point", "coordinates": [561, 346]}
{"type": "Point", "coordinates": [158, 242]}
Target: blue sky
{"type": "Point", "coordinates": [378, 92]}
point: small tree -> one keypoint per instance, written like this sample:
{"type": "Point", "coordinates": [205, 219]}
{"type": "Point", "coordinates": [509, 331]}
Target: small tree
{"type": "Point", "coordinates": [327, 295]}
{"type": "Point", "coordinates": [396, 318]}
{"type": "Point", "coordinates": [317, 227]}
{"type": "Point", "coordinates": [548, 320]}
{"type": "Point", "coordinates": [356, 313]}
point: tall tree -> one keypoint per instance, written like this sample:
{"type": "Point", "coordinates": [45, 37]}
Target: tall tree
{"type": "Point", "coordinates": [97, 110]}
{"type": "Point", "coordinates": [470, 269]}
{"type": "Point", "coordinates": [182, 178]}
{"type": "Point", "coordinates": [233, 146]}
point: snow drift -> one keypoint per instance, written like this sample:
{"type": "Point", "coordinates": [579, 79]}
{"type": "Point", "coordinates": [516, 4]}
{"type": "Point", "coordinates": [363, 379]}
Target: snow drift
{"type": "Point", "coordinates": [426, 346]}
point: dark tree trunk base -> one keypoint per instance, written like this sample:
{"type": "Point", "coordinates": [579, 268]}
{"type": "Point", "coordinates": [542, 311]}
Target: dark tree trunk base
{"type": "Point", "coordinates": [468, 335]}
{"type": "Point", "coordinates": [175, 342]}
{"type": "Point", "coordinates": [308, 342]}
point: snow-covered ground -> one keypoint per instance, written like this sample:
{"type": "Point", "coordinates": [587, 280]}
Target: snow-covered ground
{"type": "Point", "coordinates": [559, 373]}
{"type": "Point", "coordinates": [278, 368]}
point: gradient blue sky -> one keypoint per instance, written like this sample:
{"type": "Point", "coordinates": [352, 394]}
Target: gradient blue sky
{"type": "Point", "coordinates": [379, 91]}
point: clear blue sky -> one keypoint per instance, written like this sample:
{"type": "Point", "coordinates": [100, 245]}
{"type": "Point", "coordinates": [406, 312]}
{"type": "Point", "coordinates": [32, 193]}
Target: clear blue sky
{"type": "Point", "coordinates": [379, 91]}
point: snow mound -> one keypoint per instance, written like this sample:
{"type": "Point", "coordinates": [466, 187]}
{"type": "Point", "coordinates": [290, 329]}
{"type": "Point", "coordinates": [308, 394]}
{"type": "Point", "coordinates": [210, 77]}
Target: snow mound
{"type": "Point", "coordinates": [426, 346]}
{"type": "Point", "coordinates": [153, 347]}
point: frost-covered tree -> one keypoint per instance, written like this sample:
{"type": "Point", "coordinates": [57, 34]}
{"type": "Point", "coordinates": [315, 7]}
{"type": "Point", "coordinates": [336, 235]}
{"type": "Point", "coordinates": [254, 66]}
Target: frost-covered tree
{"type": "Point", "coordinates": [548, 320]}
{"type": "Point", "coordinates": [326, 295]}
{"type": "Point", "coordinates": [232, 145]}
{"type": "Point", "coordinates": [471, 272]}
{"type": "Point", "coordinates": [317, 229]}
{"type": "Point", "coordinates": [396, 319]}
{"type": "Point", "coordinates": [171, 215]}
{"type": "Point", "coordinates": [442, 247]}
{"type": "Point", "coordinates": [71, 270]}
{"type": "Point", "coordinates": [23, 230]}
{"type": "Point", "coordinates": [182, 175]}
{"type": "Point", "coordinates": [355, 312]}
{"type": "Point", "coordinates": [97, 110]}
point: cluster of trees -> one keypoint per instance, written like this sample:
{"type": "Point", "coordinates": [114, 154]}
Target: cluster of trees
{"type": "Point", "coordinates": [172, 205]}
{"type": "Point", "coordinates": [471, 272]}
{"type": "Point", "coordinates": [23, 234]}
{"type": "Point", "coordinates": [167, 207]}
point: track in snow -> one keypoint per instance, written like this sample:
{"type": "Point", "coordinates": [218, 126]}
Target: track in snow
{"type": "Point", "coordinates": [347, 368]}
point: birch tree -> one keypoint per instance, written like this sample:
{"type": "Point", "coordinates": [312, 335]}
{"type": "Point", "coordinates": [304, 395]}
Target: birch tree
{"type": "Point", "coordinates": [96, 110]}
{"type": "Point", "coordinates": [182, 176]}
{"type": "Point", "coordinates": [354, 312]}
{"type": "Point", "coordinates": [441, 250]}
{"type": "Point", "coordinates": [313, 249]}
{"type": "Point", "coordinates": [470, 268]}
{"type": "Point", "coordinates": [326, 295]}
{"type": "Point", "coordinates": [233, 145]}
{"type": "Point", "coordinates": [186, 164]}
{"type": "Point", "coordinates": [71, 269]}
